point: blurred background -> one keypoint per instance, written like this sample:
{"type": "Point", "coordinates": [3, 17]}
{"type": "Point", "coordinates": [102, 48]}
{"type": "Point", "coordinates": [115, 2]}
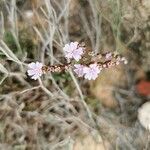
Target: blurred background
{"type": "Point", "coordinates": [60, 111]}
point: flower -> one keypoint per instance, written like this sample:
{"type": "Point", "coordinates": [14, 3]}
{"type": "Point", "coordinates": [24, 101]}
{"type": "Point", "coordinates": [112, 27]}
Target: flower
{"type": "Point", "coordinates": [35, 70]}
{"type": "Point", "coordinates": [108, 56]}
{"type": "Point", "coordinates": [72, 50]}
{"type": "Point", "coordinates": [91, 72]}
{"type": "Point", "coordinates": [124, 60]}
{"type": "Point", "coordinates": [79, 70]}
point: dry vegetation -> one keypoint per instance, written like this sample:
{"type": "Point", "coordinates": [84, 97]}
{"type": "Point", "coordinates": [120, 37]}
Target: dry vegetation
{"type": "Point", "coordinates": [60, 111]}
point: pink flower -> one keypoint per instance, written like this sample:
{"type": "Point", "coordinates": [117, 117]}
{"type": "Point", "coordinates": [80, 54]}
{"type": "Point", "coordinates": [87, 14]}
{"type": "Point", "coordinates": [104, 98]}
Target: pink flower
{"type": "Point", "coordinates": [79, 70]}
{"type": "Point", "coordinates": [72, 50]}
{"type": "Point", "coordinates": [35, 70]}
{"type": "Point", "coordinates": [91, 72]}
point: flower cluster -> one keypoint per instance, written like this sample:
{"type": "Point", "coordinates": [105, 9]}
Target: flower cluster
{"type": "Point", "coordinates": [89, 72]}
{"type": "Point", "coordinates": [84, 63]}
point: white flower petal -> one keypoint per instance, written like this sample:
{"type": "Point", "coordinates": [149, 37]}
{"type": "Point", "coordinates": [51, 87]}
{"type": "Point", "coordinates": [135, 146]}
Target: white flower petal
{"type": "Point", "coordinates": [31, 72]}
{"type": "Point", "coordinates": [86, 69]}
{"type": "Point", "coordinates": [80, 50]}
{"type": "Point", "coordinates": [73, 45]}
{"type": "Point", "coordinates": [35, 77]}
{"type": "Point", "coordinates": [39, 65]}
{"type": "Point", "coordinates": [77, 57]}
{"type": "Point", "coordinates": [68, 55]}
{"type": "Point", "coordinates": [87, 76]}
{"type": "Point", "coordinates": [66, 48]}
{"type": "Point", "coordinates": [31, 65]}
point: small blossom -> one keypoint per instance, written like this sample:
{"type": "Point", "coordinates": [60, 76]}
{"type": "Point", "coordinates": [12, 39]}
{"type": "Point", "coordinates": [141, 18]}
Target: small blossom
{"type": "Point", "coordinates": [35, 70]}
{"type": "Point", "coordinates": [108, 56]}
{"type": "Point", "coordinates": [79, 70]}
{"type": "Point", "coordinates": [124, 60]}
{"type": "Point", "coordinates": [91, 72]}
{"type": "Point", "coordinates": [72, 50]}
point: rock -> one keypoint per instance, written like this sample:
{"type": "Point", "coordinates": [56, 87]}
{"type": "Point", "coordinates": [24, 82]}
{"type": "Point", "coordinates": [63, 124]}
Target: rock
{"type": "Point", "coordinates": [102, 88]}
{"type": "Point", "coordinates": [88, 143]}
{"type": "Point", "coordinates": [143, 115]}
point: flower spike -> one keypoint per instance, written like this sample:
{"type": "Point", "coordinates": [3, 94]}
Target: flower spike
{"type": "Point", "coordinates": [88, 69]}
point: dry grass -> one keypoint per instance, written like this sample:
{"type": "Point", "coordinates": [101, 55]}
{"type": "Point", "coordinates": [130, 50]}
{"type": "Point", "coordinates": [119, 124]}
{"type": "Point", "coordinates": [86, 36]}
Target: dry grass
{"type": "Point", "coordinates": [57, 111]}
